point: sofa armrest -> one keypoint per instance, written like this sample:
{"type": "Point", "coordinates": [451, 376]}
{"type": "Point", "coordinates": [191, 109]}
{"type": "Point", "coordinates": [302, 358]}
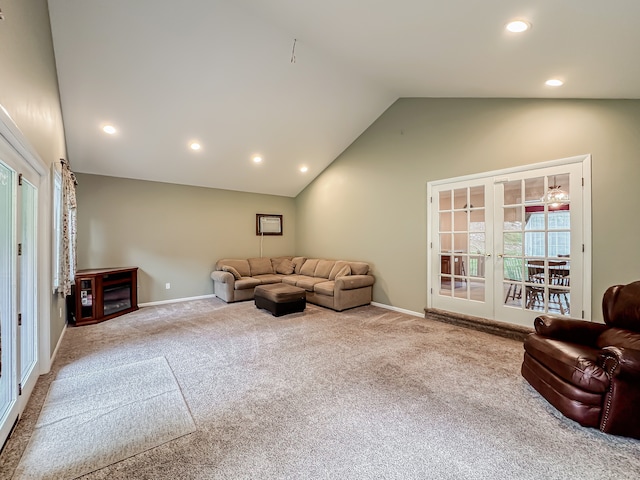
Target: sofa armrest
{"type": "Point", "coordinates": [622, 362]}
{"type": "Point", "coordinates": [222, 277]}
{"type": "Point", "coordinates": [351, 282]}
{"type": "Point", "coordinates": [569, 329]}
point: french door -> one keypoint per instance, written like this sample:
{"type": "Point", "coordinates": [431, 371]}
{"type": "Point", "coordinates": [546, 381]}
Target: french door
{"type": "Point", "coordinates": [510, 245]}
{"type": "Point", "coordinates": [18, 284]}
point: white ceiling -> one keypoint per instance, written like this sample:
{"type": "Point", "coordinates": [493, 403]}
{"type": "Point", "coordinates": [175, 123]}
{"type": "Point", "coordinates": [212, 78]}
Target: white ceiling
{"type": "Point", "coordinates": [220, 72]}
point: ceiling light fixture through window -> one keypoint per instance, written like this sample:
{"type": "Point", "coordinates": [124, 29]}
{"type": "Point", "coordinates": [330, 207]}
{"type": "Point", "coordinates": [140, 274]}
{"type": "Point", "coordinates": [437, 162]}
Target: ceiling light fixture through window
{"type": "Point", "coordinates": [110, 129]}
{"type": "Point", "coordinates": [257, 159]}
{"type": "Point", "coordinates": [304, 169]}
{"type": "Point", "coordinates": [554, 82]}
{"type": "Point", "coordinates": [195, 146]}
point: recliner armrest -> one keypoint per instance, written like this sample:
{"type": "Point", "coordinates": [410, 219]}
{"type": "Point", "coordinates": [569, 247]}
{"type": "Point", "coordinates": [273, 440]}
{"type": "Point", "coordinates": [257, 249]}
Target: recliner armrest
{"type": "Point", "coordinates": [622, 362]}
{"type": "Point", "coordinates": [351, 282]}
{"type": "Point", "coordinates": [569, 329]}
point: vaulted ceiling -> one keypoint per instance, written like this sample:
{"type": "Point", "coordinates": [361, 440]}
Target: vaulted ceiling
{"type": "Point", "coordinates": [295, 82]}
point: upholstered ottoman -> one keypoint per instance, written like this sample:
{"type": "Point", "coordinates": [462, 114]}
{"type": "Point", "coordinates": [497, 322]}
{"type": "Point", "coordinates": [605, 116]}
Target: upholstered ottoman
{"type": "Point", "coordinates": [280, 299]}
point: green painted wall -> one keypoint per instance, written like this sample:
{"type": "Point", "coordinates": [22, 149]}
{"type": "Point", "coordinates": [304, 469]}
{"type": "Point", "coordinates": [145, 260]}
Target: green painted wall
{"type": "Point", "coordinates": [29, 93]}
{"type": "Point", "coordinates": [370, 204]}
{"type": "Point", "coordinates": [173, 233]}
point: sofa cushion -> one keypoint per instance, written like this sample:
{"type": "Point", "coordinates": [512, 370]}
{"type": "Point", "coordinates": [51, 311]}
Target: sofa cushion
{"type": "Point", "coordinates": [309, 282]}
{"type": "Point", "coordinates": [245, 283]}
{"type": "Point", "coordinates": [618, 337]}
{"type": "Point", "coordinates": [576, 364]}
{"type": "Point", "coordinates": [324, 288]}
{"type": "Point", "coordinates": [268, 278]}
{"type": "Point", "coordinates": [297, 264]}
{"type": "Point", "coordinates": [285, 267]}
{"type": "Point", "coordinates": [345, 271]}
{"type": "Point", "coordinates": [275, 261]}
{"type": "Point", "coordinates": [291, 279]}
{"type": "Point", "coordinates": [323, 269]}
{"type": "Point", "coordinates": [309, 267]}
{"type": "Point", "coordinates": [260, 266]}
{"type": "Point", "coordinates": [359, 268]}
{"type": "Point", "coordinates": [242, 266]}
{"type": "Point", "coordinates": [336, 268]}
{"type": "Point", "coordinates": [232, 271]}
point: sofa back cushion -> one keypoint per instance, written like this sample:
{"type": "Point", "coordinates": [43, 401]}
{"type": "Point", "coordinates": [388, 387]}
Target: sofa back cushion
{"type": "Point", "coordinates": [260, 266]}
{"type": "Point", "coordinates": [309, 267]}
{"type": "Point", "coordinates": [618, 337]}
{"type": "Point", "coordinates": [339, 265]}
{"type": "Point", "coordinates": [297, 264]}
{"type": "Point", "coordinates": [344, 271]}
{"type": "Point", "coordinates": [232, 271]}
{"type": "Point", "coordinates": [359, 268]}
{"type": "Point", "coordinates": [242, 266]}
{"type": "Point", "coordinates": [275, 261]}
{"type": "Point", "coordinates": [285, 267]}
{"type": "Point", "coordinates": [323, 269]}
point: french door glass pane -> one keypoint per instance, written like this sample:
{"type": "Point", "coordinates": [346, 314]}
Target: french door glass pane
{"type": "Point", "coordinates": [459, 198]}
{"type": "Point", "coordinates": [513, 218]}
{"type": "Point", "coordinates": [444, 200]}
{"type": "Point", "coordinates": [533, 189]}
{"type": "Point", "coordinates": [459, 221]}
{"type": "Point", "coordinates": [513, 192]}
{"type": "Point", "coordinates": [476, 196]}
{"type": "Point", "coordinates": [476, 221]}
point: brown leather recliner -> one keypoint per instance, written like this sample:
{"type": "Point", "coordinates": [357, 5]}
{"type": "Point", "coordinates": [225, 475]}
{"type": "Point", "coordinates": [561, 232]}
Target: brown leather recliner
{"type": "Point", "coordinates": [591, 371]}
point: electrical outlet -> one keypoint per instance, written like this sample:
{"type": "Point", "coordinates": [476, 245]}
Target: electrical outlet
{"type": "Point", "coordinates": [167, 286]}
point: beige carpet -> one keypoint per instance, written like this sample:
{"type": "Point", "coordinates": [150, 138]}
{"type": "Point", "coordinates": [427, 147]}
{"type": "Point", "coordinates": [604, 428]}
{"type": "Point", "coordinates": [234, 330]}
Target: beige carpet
{"type": "Point", "coordinates": [363, 394]}
{"type": "Point", "coordinates": [91, 421]}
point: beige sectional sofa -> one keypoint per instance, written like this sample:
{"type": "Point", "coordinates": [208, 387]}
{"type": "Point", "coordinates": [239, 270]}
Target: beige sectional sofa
{"type": "Point", "coordinates": [335, 284]}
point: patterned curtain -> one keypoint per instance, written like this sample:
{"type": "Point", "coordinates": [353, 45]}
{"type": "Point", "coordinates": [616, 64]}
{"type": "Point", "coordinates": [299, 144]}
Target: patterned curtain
{"type": "Point", "coordinates": [69, 228]}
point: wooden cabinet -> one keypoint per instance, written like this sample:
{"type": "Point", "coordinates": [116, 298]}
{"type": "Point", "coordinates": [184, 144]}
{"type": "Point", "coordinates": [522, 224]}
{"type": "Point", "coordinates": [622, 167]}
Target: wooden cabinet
{"type": "Point", "coordinates": [103, 293]}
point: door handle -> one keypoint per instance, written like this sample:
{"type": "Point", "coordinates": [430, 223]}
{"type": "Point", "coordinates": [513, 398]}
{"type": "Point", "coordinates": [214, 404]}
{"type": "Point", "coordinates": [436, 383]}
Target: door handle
{"type": "Point", "coordinates": [488, 254]}
{"type": "Point", "coordinates": [500, 255]}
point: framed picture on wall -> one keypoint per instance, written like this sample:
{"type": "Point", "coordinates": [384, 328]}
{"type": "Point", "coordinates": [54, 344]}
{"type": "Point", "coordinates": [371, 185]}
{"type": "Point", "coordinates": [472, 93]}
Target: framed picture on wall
{"type": "Point", "coordinates": [268, 224]}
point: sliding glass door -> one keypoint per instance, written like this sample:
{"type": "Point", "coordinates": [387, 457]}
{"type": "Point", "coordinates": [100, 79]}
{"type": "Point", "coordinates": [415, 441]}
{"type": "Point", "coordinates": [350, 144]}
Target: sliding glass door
{"type": "Point", "coordinates": [18, 285]}
{"type": "Point", "coordinates": [8, 308]}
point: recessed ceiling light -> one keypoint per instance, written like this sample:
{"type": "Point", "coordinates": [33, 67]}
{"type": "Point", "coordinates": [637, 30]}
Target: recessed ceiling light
{"type": "Point", "coordinates": [554, 82]}
{"type": "Point", "coordinates": [304, 169]}
{"type": "Point", "coordinates": [110, 129]}
{"type": "Point", "coordinates": [195, 146]}
{"type": "Point", "coordinates": [257, 159]}
{"type": "Point", "coordinates": [518, 26]}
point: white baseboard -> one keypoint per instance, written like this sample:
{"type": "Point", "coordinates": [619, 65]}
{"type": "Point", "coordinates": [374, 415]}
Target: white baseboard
{"type": "Point", "coordinates": [49, 363]}
{"type": "Point", "coordinates": [396, 309]}
{"type": "Point", "coordinates": [175, 300]}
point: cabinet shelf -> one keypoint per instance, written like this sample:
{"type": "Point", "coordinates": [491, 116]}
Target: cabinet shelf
{"type": "Point", "coordinates": [101, 294]}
